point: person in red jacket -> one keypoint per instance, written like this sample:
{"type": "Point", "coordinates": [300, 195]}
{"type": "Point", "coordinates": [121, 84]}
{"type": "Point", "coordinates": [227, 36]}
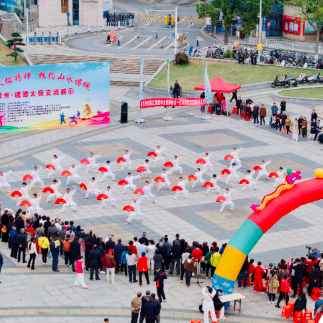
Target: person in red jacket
{"type": "Point", "coordinates": [143, 268]}
{"type": "Point", "coordinates": [132, 247]}
{"type": "Point", "coordinates": [250, 271]}
{"type": "Point", "coordinates": [284, 290]}
{"type": "Point", "coordinates": [197, 254]}
{"type": "Point", "coordinates": [257, 278]}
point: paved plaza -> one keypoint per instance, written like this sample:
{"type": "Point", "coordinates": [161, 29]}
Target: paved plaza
{"type": "Point", "coordinates": [32, 296]}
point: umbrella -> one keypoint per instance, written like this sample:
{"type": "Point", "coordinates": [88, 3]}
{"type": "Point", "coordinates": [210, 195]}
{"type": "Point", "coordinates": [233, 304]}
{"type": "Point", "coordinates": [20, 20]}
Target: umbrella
{"type": "Point", "coordinates": [160, 179]}
{"type": "Point", "coordinates": [273, 175]}
{"type": "Point", "coordinates": [25, 203]}
{"type": "Point", "coordinates": [225, 172]}
{"type": "Point", "coordinates": [221, 199]}
{"type": "Point", "coordinates": [177, 188]}
{"type": "Point", "coordinates": [152, 154]}
{"type": "Point", "coordinates": [60, 201]}
{"type": "Point", "coordinates": [123, 182]}
{"type": "Point", "coordinates": [103, 170]}
{"type": "Point", "coordinates": [208, 184]}
{"type": "Point", "coordinates": [228, 157]}
{"type": "Point", "coordinates": [50, 166]}
{"type": "Point", "coordinates": [27, 177]}
{"type": "Point", "coordinates": [257, 168]}
{"type": "Point", "coordinates": [244, 181]}
{"type": "Point", "coordinates": [128, 208]}
{"type": "Point", "coordinates": [82, 185]}
{"type": "Point", "coordinates": [16, 194]}
{"type": "Point", "coordinates": [66, 173]}
{"type": "Point", "coordinates": [121, 160]}
{"type": "Point", "coordinates": [169, 164]}
{"type": "Point", "coordinates": [102, 197]}
{"type": "Point", "coordinates": [139, 191]}
{"type": "Point", "coordinates": [84, 161]}
{"type": "Point", "coordinates": [201, 161]}
{"type": "Point", "coordinates": [48, 190]}
{"type": "Point", "coordinates": [192, 178]}
{"type": "Point", "coordinates": [141, 169]}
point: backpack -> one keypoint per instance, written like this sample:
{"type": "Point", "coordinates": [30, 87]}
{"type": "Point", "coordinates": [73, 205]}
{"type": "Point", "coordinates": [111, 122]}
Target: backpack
{"type": "Point", "coordinates": [300, 304]}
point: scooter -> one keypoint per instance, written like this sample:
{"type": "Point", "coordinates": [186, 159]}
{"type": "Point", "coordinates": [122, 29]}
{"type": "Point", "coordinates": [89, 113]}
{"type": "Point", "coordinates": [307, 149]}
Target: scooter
{"type": "Point", "coordinates": [285, 82]}
{"type": "Point", "coordinates": [319, 79]}
{"type": "Point", "coordinates": [305, 79]}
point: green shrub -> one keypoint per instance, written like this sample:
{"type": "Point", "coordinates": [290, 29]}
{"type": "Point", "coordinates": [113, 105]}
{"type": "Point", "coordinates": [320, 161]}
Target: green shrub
{"type": "Point", "coordinates": [181, 58]}
{"type": "Point", "coordinates": [227, 54]}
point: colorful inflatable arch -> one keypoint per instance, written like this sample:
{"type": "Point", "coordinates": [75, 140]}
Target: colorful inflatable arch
{"type": "Point", "coordinates": [259, 222]}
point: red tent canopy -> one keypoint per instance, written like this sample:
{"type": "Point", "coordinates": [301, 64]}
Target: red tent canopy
{"type": "Point", "coordinates": [218, 85]}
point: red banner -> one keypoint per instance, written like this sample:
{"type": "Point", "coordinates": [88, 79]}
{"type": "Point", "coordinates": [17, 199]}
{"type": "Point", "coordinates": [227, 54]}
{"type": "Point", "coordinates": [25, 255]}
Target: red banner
{"type": "Point", "coordinates": [171, 103]}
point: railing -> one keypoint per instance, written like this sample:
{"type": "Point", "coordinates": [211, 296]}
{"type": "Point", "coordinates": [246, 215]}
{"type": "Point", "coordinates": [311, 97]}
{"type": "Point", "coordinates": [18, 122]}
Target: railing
{"type": "Point", "coordinates": [161, 19]}
{"type": "Point", "coordinates": [289, 45]}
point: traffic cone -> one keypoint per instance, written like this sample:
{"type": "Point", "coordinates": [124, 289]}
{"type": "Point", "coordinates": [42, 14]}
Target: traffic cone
{"type": "Point", "coordinates": [284, 130]}
{"type": "Point", "coordinates": [247, 118]}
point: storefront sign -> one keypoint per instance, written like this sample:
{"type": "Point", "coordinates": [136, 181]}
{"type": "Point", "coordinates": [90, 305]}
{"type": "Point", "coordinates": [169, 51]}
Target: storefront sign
{"type": "Point", "coordinates": [291, 25]}
{"type": "Point", "coordinates": [308, 28]}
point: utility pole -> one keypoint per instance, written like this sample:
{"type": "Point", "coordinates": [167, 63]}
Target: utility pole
{"type": "Point", "coordinates": [175, 47]}
{"type": "Point", "coordinates": [259, 29]}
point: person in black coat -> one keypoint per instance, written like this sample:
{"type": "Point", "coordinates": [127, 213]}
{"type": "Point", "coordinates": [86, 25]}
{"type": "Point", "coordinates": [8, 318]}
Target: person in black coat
{"type": "Point", "coordinates": [150, 311]}
{"type": "Point", "coordinates": [177, 89]}
{"type": "Point", "coordinates": [1, 262]}
{"type": "Point", "coordinates": [4, 226]}
{"type": "Point", "coordinates": [300, 120]}
{"type": "Point", "coordinates": [313, 115]}
{"type": "Point", "coordinates": [118, 249]}
{"type": "Point", "coordinates": [234, 96]}
{"type": "Point", "coordinates": [282, 124]}
{"type": "Point", "coordinates": [300, 303]}
{"type": "Point", "coordinates": [75, 252]}
{"type": "Point", "coordinates": [176, 252]}
{"type": "Point", "coordinates": [218, 305]}
{"type": "Point", "coordinates": [144, 301]}
{"type": "Point", "coordinates": [299, 275]}
{"type": "Point", "coordinates": [315, 276]}
{"type": "Point", "coordinates": [19, 223]}
{"type": "Point", "coordinates": [94, 258]}
{"type": "Point", "coordinates": [313, 129]}
{"type": "Point", "coordinates": [239, 103]}
{"type": "Point", "coordinates": [159, 279]}
{"type": "Point", "coordinates": [283, 106]}
{"type": "Point", "coordinates": [22, 245]}
{"type": "Point", "coordinates": [256, 113]}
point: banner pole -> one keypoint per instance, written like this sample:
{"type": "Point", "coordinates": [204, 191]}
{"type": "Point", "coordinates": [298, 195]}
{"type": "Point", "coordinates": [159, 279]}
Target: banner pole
{"type": "Point", "coordinates": [139, 118]}
{"type": "Point", "coordinates": [168, 117]}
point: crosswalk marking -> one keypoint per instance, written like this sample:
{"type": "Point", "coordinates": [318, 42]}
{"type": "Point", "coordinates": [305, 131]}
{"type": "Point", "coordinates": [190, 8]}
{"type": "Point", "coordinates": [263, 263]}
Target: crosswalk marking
{"type": "Point", "coordinates": [142, 43]}
{"type": "Point", "coordinates": [132, 39]}
{"type": "Point", "coordinates": [157, 43]}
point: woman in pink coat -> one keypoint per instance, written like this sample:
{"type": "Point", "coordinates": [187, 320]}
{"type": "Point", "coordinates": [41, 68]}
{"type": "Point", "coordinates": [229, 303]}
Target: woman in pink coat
{"type": "Point", "coordinates": [80, 273]}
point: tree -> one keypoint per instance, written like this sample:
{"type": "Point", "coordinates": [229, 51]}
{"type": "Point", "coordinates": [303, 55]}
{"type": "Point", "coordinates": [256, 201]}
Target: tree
{"type": "Point", "coordinates": [14, 42]}
{"type": "Point", "coordinates": [312, 10]}
{"type": "Point", "coordinates": [213, 9]}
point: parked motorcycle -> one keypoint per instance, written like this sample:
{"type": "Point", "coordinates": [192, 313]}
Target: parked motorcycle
{"type": "Point", "coordinates": [285, 82]}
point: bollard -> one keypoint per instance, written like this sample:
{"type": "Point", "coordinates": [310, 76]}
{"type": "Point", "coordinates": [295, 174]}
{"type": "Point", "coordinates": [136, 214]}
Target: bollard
{"type": "Point", "coordinates": [50, 38]}
{"type": "Point", "coordinates": [156, 35]}
{"type": "Point", "coordinates": [162, 46]}
{"type": "Point", "coordinates": [137, 35]}
{"type": "Point", "coordinates": [42, 38]}
{"type": "Point", "coordinates": [118, 42]}
{"type": "Point", "coordinates": [35, 35]}
{"type": "Point", "coordinates": [197, 43]}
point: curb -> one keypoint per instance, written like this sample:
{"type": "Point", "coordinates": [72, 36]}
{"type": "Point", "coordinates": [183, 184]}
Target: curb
{"type": "Point", "coordinates": [296, 100]}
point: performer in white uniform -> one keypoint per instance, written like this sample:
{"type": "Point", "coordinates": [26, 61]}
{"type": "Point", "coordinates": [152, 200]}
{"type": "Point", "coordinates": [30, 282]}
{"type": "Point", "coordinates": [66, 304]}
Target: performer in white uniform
{"type": "Point", "coordinates": [147, 189]}
{"type": "Point", "coordinates": [249, 178]}
{"type": "Point", "coordinates": [164, 175]}
{"type": "Point", "coordinates": [68, 197]}
{"type": "Point", "coordinates": [136, 205]}
{"type": "Point", "coordinates": [3, 180]}
{"type": "Point", "coordinates": [233, 173]}
{"type": "Point", "coordinates": [128, 162]}
{"type": "Point", "coordinates": [208, 305]}
{"type": "Point", "coordinates": [216, 187]}
{"type": "Point", "coordinates": [109, 172]}
{"type": "Point", "coordinates": [92, 159]}
{"type": "Point", "coordinates": [182, 184]}
{"type": "Point", "coordinates": [110, 199]}
{"type": "Point", "coordinates": [207, 158]}
{"type": "Point", "coordinates": [57, 163]}
{"type": "Point", "coordinates": [199, 175]}
{"type": "Point", "coordinates": [176, 165]}
{"type": "Point", "coordinates": [92, 187]}
{"type": "Point", "coordinates": [34, 208]}
{"type": "Point", "coordinates": [263, 171]}
{"type": "Point", "coordinates": [130, 184]}
{"type": "Point", "coordinates": [36, 176]}
{"type": "Point", "coordinates": [54, 186]}
{"type": "Point", "coordinates": [76, 178]}
{"type": "Point", "coordinates": [24, 190]}
{"type": "Point", "coordinates": [281, 179]}
{"type": "Point", "coordinates": [159, 156]}
{"type": "Point", "coordinates": [235, 153]}
{"type": "Point", "coordinates": [146, 164]}
{"type": "Point", "coordinates": [228, 201]}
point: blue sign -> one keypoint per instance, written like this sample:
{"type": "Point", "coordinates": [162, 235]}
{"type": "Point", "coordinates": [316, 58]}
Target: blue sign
{"type": "Point", "coordinates": [208, 27]}
{"type": "Point", "coordinates": [239, 22]}
{"type": "Point", "coordinates": [68, 18]}
{"type": "Point", "coordinates": [263, 23]}
{"type": "Point", "coordinates": [173, 35]}
{"type": "Point", "coordinates": [221, 30]}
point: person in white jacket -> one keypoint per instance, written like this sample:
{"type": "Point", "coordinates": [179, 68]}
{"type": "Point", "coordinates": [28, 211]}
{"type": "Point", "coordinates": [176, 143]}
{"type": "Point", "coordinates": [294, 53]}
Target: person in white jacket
{"type": "Point", "coordinates": [54, 186]}
{"type": "Point", "coordinates": [228, 201]}
{"type": "Point", "coordinates": [3, 180]}
{"type": "Point", "coordinates": [109, 172]}
{"type": "Point", "coordinates": [92, 187]}
{"type": "Point", "coordinates": [32, 254]}
{"type": "Point", "coordinates": [176, 167]}
{"type": "Point", "coordinates": [164, 175]}
{"type": "Point", "coordinates": [68, 197]}
{"type": "Point", "coordinates": [35, 208]}
{"type": "Point", "coordinates": [36, 176]}
{"type": "Point", "coordinates": [24, 190]}
{"type": "Point", "coordinates": [159, 156]}
{"type": "Point", "coordinates": [92, 159]}
{"type": "Point", "coordinates": [208, 305]}
{"type": "Point", "coordinates": [57, 163]}
{"type": "Point", "coordinates": [235, 153]}
{"type": "Point", "coordinates": [281, 176]}
{"type": "Point", "coordinates": [207, 158]}
{"type": "Point", "coordinates": [136, 205]}
{"type": "Point", "coordinates": [130, 184]}
{"type": "Point", "coordinates": [199, 174]}
{"type": "Point", "coordinates": [128, 162]}
{"type": "Point", "coordinates": [216, 187]}
{"type": "Point", "coordinates": [233, 173]}
{"type": "Point", "coordinates": [249, 177]}
{"type": "Point", "coordinates": [182, 184]}
{"type": "Point", "coordinates": [110, 199]}
{"type": "Point", "coordinates": [76, 178]}
{"type": "Point", "coordinates": [263, 171]}
{"type": "Point", "coordinates": [147, 189]}
{"type": "Point", "coordinates": [146, 165]}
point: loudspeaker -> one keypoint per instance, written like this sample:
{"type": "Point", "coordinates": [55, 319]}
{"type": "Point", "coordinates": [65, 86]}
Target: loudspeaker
{"type": "Point", "coordinates": [124, 112]}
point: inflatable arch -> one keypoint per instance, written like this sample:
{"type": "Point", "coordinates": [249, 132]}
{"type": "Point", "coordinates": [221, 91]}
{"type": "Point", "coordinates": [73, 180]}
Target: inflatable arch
{"type": "Point", "coordinates": [258, 223]}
